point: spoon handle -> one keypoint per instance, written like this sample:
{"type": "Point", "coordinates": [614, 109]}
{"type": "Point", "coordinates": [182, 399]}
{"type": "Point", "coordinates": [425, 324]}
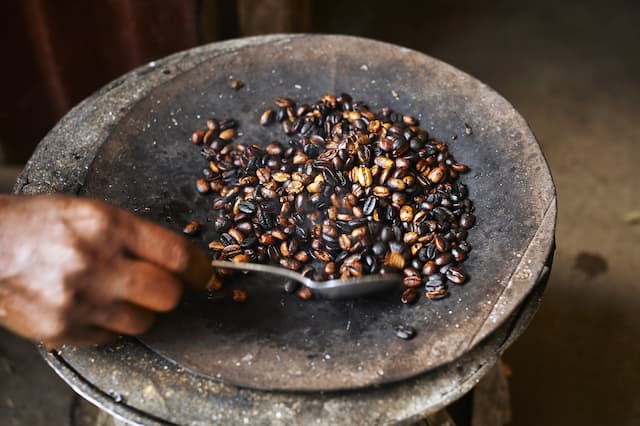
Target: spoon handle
{"type": "Point", "coordinates": [258, 267]}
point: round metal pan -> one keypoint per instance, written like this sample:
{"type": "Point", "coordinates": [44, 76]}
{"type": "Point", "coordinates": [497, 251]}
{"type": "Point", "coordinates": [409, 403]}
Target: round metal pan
{"type": "Point", "coordinates": [277, 342]}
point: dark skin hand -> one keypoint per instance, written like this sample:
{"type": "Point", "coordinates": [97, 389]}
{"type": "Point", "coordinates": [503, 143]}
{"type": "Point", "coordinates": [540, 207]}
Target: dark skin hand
{"type": "Point", "coordinates": [78, 271]}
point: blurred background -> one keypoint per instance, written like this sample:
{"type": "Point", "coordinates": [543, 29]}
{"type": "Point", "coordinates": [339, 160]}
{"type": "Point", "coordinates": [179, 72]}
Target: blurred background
{"type": "Point", "coordinates": [572, 69]}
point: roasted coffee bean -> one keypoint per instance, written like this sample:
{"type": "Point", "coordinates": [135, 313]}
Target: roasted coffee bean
{"type": "Point", "coordinates": [227, 239]}
{"type": "Point", "coordinates": [191, 228]}
{"type": "Point", "coordinates": [396, 184]}
{"type": "Point", "coordinates": [467, 220]}
{"type": "Point", "coordinates": [394, 260]}
{"type": "Point", "coordinates": [236, 235]}
{"type": "Point", "coordinates": [197, 136]}
{"type": "Point", "coordinates": [236, 84]}
{"type": "Point", "coordinates": [442, 245]}
{"type": "Point", "coordinates": [406, 213]}
{"type": "Point", "coordinates": [369, 206]}
{"type": "Point", "coordinates": [458, 254]}
{"type": "Point", "coordinates": [464, 246]}
{"type": "Point", "coordinates": [431, 252]}
{"type": "Point", "coordinates": [249, 242]}
{"type": "Point", "coordinates": [436, 278]}
{"type": "Point", "coordinates": [379, 249]}
{"type": "Point", "coordinates": [436, 293]}
{"type": "Point", "coordinates": [290, 263]}
{"type": "Point", "coordinates": [443, 259]}
{"type": "Point", "coordinates": [409, 295]}
{"type": "Point", "coordinates": [248, 207]}
{"type": "Point", "coordinates": [239, 296]}
{"type": "Point", "coordinates": [305, 293]}
{"type": "Point", "coordinates": [240, 258]}
{"type": "Point", "coordinates": [429, 268]}
{"type": "Point", "coordinates": [216, 245]}
{"type": "Point", "coordinates": [456, 275]}
{"type": "Point", "coordinates": [221, 224]}
{"type": "Point", "coordinates": [412, 282]}
{"type": "Point", "coordinates": [227, 134]}
{"type": "Point", "coordinates": [405, 332]}
{"type": "Point", "coordinates": [202, 186]}
{"type": "Point", "coordinates": [381, 191]}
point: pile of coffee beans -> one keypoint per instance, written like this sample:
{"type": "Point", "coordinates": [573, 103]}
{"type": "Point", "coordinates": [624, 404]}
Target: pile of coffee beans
{"type": "Point", "coordinates": [351, 192]}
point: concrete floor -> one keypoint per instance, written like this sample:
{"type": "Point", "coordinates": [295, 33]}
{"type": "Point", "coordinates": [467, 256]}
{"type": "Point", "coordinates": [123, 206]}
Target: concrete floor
{"type": "Point", "coordinates": [572, 69]}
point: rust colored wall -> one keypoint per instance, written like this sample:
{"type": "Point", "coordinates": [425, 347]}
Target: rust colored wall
{"type": "Point", "coordinates": [57, 53]}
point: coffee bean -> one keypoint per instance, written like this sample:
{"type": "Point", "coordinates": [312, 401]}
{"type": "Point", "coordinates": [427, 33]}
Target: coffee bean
{"type": "Point", "coordinates": [412, 282]}
{"type": "Point", "coordinates": [239, 296]}
{"type": "Point", "coordinates": [467, 220]}
{"type": "Point", "coordinates": [405, 332]}
{"type": "Point", "coordinates": [456, 275]}
{"type": "Point", "coordinates": [409, 295]}
{"type": "Point", "coordinates": [305, 293]}
{"type": "Point", "coordinates": [191, 228]}
{"type": "Point", "coordinates": [197, 136]}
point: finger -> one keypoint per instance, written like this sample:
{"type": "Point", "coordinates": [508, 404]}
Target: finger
{"type": "Point", "coordinates": [86, 336]}
{"type": "Point", "coordinates": [143, 284]}
{"type": "Point", "coordinates": [166, 249]}
{"type": "Point", "coordinates": [123, 318]}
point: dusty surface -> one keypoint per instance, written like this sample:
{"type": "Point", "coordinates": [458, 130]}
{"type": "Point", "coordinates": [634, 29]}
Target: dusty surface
{"type": "Point", "coordinates": [572, 72]}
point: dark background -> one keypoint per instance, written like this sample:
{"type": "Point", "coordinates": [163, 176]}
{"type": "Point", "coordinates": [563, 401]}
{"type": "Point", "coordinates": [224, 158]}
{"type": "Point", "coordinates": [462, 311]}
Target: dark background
{"type": "Point", "coordinates": [572, 68]}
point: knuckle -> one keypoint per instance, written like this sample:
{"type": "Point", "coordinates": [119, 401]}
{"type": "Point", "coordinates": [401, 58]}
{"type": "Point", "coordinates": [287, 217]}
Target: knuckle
{"type": "Point", "coordinates": [92, 218]}
{"type": "Point", "coordinates": [63, 298]}
{"type": "Point", "coordinates": [171, 298]}
{"type": "Point", "coordinates": [142, 324]}
{"type": "Point", "coordinates": [178, 256]}
{"type": "Point", "coordinates": [135, 321]}
{"type": "Point", "coordinates": [55, 328]}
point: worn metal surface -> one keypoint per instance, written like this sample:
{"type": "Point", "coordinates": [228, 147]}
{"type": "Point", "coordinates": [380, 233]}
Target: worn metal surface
{"type": "Point", "coordinates": [140, 123]}
{"type": "Point", "coordinates": [152, 390]}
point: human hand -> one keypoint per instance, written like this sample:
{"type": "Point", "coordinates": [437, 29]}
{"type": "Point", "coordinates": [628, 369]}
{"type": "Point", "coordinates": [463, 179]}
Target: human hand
{"type": "Point", "coordinates": [78, 271]}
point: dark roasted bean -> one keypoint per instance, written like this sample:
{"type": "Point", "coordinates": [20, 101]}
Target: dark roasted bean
{"type": "Point", "coordinates": [305, 293]}
{"type": "Point", "coordinates": [436, 293]}
{"type": "Point", "coordinates": [202, 186]}
{"type": "Point", "coordinates": [464, 246]}
{"type": "Point", "coordinates": [239, 296]}
{"type": "Point", "coordinates": [409, 295]}
{"type": "Point", "coordinates": [429, 268]}
{"type": "Point", "coordinates": [458, 254]}
{"type": "Point", "coordinates": [443, 259]}
{"type": "Point", "coordinates": [442, 245]}
{"type": "Point", "coordinates": [412, 282]}
{"type": "Point", "coordinates": [191, 228]}
{"type": "Point", "coordinates": [405, 332]}
{"type": "Point", "coordinates": [197, 136]}
{"type": "Point", "coordinates": [227, 239]}
{"type": "Point", "coordinates": [290, 263]}
{"type": "Point", "coordinates": [379, 249]}
{"type": "Point", "coordinates": [467, 220]}
{"type": "Point", "coordinates": [236, 84]}
{"type": "Point", "coordinates": [369, 206]}
{"type": "Point", "coordinates": [248, 207]}
{"type": "Point", "coordinates": [456, 275]}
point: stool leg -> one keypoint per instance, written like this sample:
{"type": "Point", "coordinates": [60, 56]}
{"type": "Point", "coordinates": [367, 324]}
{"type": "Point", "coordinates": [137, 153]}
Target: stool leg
{"type": "Point", "coordinates": [491, 401]}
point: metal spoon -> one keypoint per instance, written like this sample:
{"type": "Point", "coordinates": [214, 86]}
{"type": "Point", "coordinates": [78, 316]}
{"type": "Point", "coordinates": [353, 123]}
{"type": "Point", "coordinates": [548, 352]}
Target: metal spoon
{"type": "Point", "coordinates": [331, 289]}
